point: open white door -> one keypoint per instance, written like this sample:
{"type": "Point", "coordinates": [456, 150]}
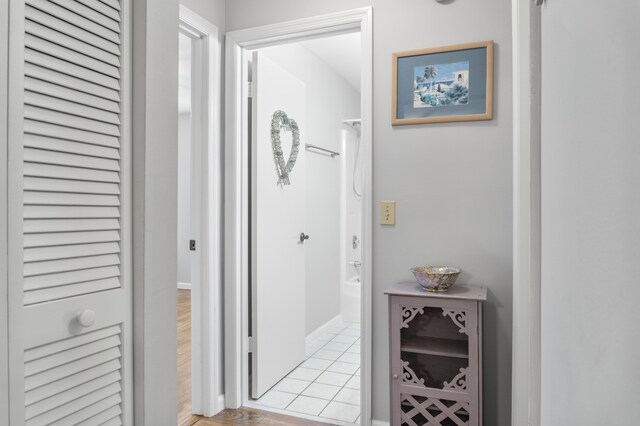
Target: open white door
{"type": "Point", "coordinates": [69, 210]}
{"type": "Point", "coordinates": [278, 220]}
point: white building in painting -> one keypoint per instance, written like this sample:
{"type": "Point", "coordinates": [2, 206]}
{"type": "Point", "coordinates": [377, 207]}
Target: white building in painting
{"type": "Point", "coordinates": [460, 78]}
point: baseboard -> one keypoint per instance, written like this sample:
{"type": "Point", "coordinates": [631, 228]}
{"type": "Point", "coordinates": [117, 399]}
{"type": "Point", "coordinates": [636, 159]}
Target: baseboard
{"type": "Point", "coordinates": [220, 405]}
{"type": "Point", "coordinates": [379, 423]}
{"type": "Point", "coordinates": [324, 328]}
{"type": "Point", "coordinates": [184, 286]}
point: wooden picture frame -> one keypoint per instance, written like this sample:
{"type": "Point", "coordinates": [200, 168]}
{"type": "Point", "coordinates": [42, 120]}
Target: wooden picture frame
{"type": "Point", "coordinates": [463, 91]}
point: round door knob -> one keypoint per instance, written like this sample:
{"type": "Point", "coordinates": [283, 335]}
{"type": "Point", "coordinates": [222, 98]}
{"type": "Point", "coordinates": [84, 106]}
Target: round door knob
{"type": "Point", "coordinates": [395, 377]}
{"type": "Point", "coordinates": [303, 237]}
{"type": "Point", "coordinates": [86, 318]}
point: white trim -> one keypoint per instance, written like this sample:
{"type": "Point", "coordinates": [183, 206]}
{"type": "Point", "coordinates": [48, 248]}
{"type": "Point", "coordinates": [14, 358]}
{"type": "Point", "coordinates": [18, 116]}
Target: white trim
{"type": "Point", "coordinates": [343, 211]}
{"type": "Point", "coordinates": [220, 402]}
{"type": "Point", "coordinates": [324, 328]}
{"type": "Point", "coordinates": [294, 414]}
{"type": "Point", "coordinates": [15, 126]}
{"type": "Point", "coordinates": [126, 188]}
{"type": "Point", "coordinates": [207, 190]}
{"type": "Point", "coordinates": [236, 207]}
{"type": "Point", "coordinates": [379, 423]}
{"type": "Point", "coordinates": [251, 404]}
{"type": "Point", "coordinates": [4, 314]}
{"type": "Point", "coordinates": [184, 286]}
{"type": "Point", "coordinates": [526, 214]}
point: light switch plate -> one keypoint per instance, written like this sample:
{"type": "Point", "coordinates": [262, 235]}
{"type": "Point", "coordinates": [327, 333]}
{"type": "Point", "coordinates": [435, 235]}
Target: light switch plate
{"type": "Point", "coordinates": [387, 212]}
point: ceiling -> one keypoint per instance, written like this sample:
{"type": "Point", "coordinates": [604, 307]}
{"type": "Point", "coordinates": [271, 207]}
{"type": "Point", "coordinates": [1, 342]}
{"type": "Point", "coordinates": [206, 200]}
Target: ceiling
{"type": "Point", "coordinates": [341, 52]}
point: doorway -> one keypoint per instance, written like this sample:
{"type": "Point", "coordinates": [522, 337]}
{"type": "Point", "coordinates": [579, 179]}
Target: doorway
{"type": "Point", "coordinates": [282, 222]}
{"type": "Point", "coordinates": [304, 311]}
{"type": "Point", "coordinates": [199, 221]}
{"type": "Point", "coordinates": [187, 275]}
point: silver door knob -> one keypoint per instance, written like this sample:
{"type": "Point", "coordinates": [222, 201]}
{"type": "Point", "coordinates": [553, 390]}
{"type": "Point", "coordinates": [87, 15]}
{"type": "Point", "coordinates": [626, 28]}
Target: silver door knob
{"type": "Point", "coordinates": [303, 237]}
{"type": "Point", "coordinates": [86, 318]}
{"type": "Point", "coordinates": [395, 377]}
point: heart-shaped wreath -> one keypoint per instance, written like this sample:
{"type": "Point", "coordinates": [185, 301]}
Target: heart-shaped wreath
{"type": "Point", "coordinates": [280, 121]}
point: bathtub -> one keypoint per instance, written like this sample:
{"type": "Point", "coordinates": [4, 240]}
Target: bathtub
{"type": "Point", "coordinates": [350, 299]}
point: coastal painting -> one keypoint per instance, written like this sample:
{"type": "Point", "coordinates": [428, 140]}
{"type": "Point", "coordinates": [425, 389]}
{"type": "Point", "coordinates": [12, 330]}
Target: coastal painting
{"type": "Point", "coordinates": [441, 85]}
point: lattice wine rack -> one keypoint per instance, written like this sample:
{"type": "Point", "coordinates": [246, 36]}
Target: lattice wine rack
{"type": "Point", "coordinates": [436, 355]}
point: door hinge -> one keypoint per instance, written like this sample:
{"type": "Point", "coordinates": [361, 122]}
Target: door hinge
{"type": "Point", "coordinates": [251, 89]}
{"type": "Point", "coordinates": [192, 245]}
{"type": "Point", "coordinates": [250, 347]}
{"type": "Point", "coordinates": [537, 2]}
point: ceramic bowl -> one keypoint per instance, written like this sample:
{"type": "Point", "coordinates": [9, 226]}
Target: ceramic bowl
{"type": "Point", "coordinates": [436, 278]}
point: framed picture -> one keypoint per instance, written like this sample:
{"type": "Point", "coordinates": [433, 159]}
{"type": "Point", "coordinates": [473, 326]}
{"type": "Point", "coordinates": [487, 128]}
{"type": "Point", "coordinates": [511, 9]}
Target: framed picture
{"type": "Point", "coordinates": [443, 84]}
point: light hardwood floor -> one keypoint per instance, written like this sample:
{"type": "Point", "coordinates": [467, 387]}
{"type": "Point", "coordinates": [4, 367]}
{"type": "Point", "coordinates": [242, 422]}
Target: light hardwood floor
{"type": "Point", "coordinates": [184, 360]}
{"type": "Point", "coordinates": [243, 416]}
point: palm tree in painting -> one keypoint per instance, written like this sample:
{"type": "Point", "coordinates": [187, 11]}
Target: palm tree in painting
{"type": "Point", "coordinates": [430, 73]}
{"type": "Point", "coordinates": [457, 95]}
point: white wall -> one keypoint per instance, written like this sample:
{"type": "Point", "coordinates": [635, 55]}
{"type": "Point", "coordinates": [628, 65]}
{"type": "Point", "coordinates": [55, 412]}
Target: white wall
{"type": "Point", "coordinates": [590, 213]}
{"type": "Point", "coordinates": [330, 99]}
{"type": "Point", "coordinates": [467, 167]}
{"type": "Point", "coordinates": [184, 198]}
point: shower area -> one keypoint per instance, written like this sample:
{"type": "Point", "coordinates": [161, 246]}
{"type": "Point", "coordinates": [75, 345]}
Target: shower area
{"type": "Point", "coordinates": [351, 222]}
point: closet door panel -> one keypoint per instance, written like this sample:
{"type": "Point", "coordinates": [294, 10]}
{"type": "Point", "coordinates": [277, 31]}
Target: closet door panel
{"type": "Point", "coordinates": [69, 148]}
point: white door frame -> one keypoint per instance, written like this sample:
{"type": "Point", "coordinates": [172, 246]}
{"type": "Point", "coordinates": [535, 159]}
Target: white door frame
{"type": "Point", "coordinates": [4, 309]}
{"type": "Point", "coordinates": [206, 191]}
{"type": "Point", "coordinates": [526, 214]}
{"type": "Point", "coordinates": [237, 187]}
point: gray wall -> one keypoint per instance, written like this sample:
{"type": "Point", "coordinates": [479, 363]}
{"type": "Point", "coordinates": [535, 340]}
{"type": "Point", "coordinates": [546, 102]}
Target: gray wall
{"type": "Point", "coordinates": [155, 130]}
{"type": "Point", "coordinates": [466, 167]}
{"type": "Point", "coordinates": [184, 198]}
{"type": "Point", "coordinates": [330, 99]}
{"type": "Point", "coordinates": [590, 213]}
{"type": "Point", "coordinates": [4, 309]}
{"type": "Point", "coordinates": [211, 10]}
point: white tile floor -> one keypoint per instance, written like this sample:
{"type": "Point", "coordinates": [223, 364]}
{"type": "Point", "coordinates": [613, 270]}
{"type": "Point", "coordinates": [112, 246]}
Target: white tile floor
{"type": "Point", "coordinates": [327, 384]}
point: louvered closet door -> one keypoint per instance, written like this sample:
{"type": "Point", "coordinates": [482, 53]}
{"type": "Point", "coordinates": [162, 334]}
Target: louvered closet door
{"type": "Point", "coordinates": [70, 291]}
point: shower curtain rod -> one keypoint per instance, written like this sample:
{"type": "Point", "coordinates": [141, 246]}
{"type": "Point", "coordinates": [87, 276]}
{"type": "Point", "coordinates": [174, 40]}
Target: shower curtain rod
{"type": "Point", "coordinates": [328, 151]}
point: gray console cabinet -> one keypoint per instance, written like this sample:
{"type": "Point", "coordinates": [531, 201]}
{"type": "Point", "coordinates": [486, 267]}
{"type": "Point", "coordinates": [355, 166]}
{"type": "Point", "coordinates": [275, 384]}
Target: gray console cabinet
{"type": "Point", "coordinates": [435, 355]}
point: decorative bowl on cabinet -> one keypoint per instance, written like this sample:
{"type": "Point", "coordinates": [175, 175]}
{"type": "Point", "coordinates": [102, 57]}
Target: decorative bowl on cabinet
{"type": "Point", "coordinates": [436, 278]}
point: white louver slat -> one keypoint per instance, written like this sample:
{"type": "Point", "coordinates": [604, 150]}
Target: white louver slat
{"type": "Point", "coordinates": [71, 173]}
{"type": "Point", "coordinates": [78, 99]}
{"type": "Point", "coordinates": [67, 133]}
{"type": "Point", "coordinates": [46, 253]}
{"type": "Point", "coordinates": [74, 31]}
{"type": "Point", "coordinates": [74, 44]}
{"type": "Point", "coordinates": [70, 165]}
{"type": "Point", "coordinates": [75, 380]}
{"type": "Point", "coordinates": [59, 145]}
{"type": "Point", "coordinates": [71, 148]}
{"type": "Point", "coordinates": [53, 212]}
{"type": "Point", "coordinates": [58, 65]}
{"type": "Point", "coordinates": [73, 107]}
{"type": "Point", "coordinates": [115, 4]}
{"type": "Point", "coordinates": [74, 19]}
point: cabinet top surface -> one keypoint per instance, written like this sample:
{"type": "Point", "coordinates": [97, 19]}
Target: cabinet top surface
{"type": "Point", "coordinates": [457, 291]}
